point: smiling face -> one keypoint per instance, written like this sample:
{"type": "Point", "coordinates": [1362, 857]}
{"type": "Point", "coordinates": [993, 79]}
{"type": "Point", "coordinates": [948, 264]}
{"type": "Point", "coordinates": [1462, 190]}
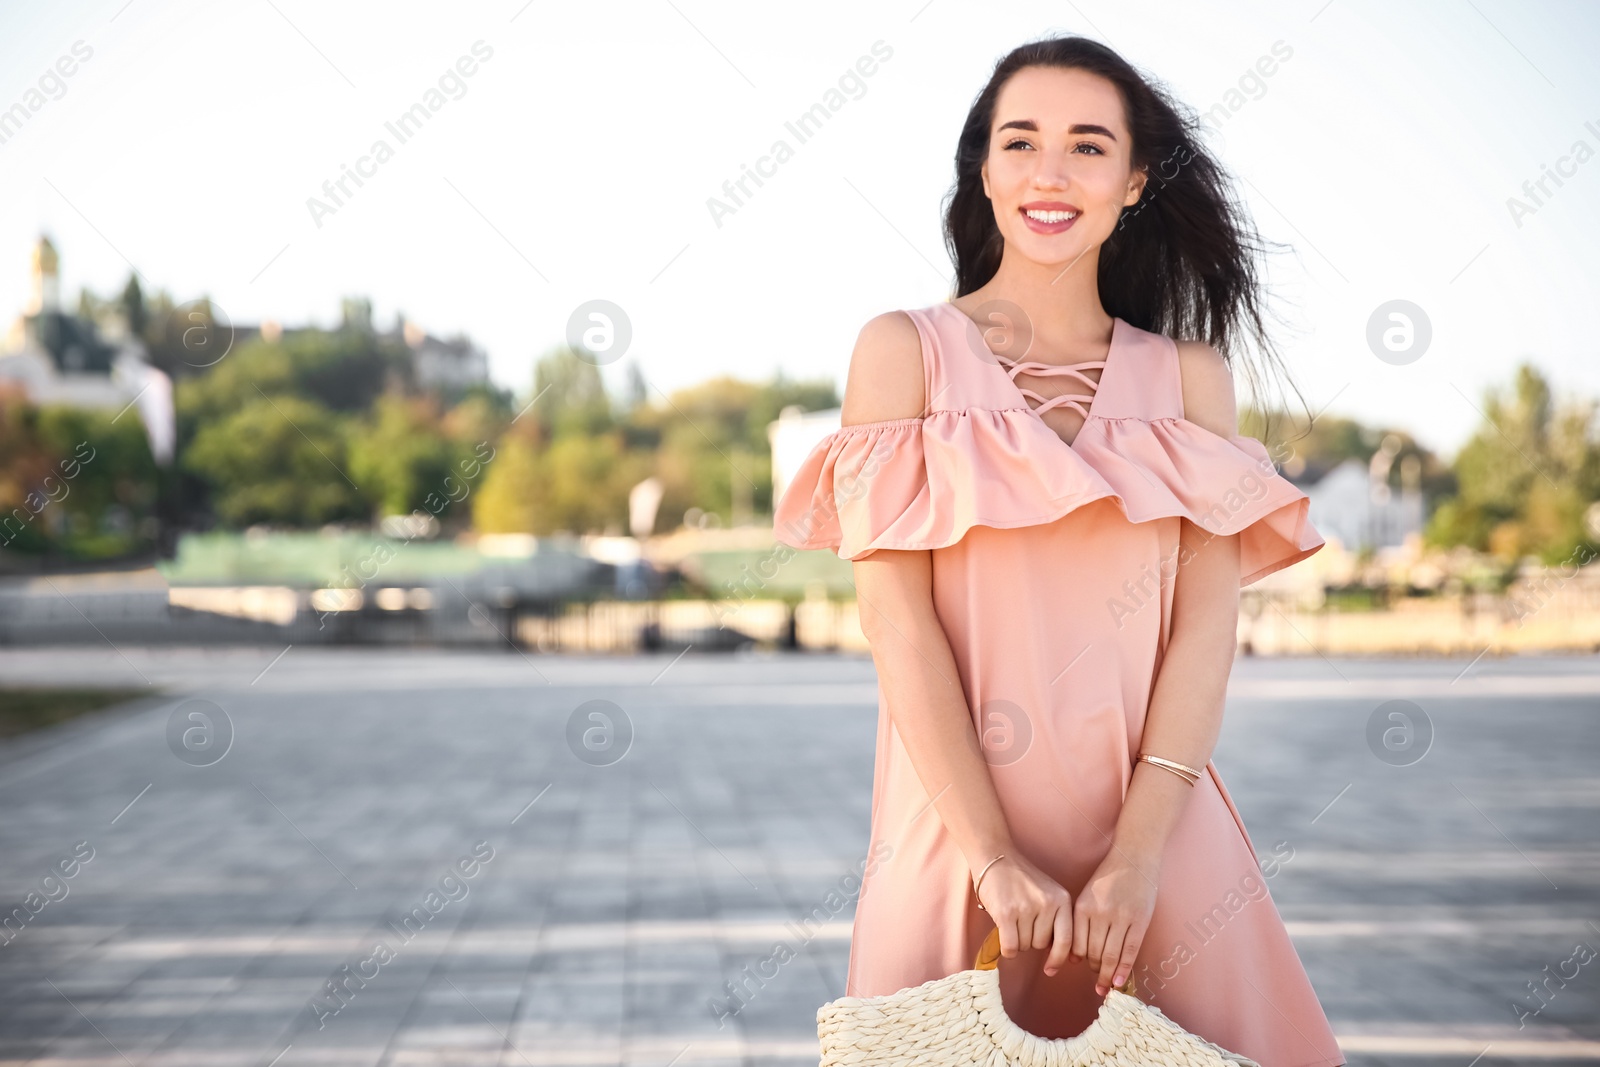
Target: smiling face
{"type": "Point", "coordinates": [1060, 166]}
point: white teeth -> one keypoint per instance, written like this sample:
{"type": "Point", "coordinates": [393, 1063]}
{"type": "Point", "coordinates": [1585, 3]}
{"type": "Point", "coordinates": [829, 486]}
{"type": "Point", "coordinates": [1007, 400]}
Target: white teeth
{"type": "Point", "coordinates": [1051, 216]}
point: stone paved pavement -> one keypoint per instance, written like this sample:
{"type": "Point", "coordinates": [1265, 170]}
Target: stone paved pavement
{"type": "Point", "coordinates": [218, 884]}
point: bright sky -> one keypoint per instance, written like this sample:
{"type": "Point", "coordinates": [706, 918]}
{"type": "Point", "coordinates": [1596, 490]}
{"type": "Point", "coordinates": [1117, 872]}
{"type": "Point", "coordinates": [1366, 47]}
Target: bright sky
{"type": "Point", "coordinates": [577, 160]}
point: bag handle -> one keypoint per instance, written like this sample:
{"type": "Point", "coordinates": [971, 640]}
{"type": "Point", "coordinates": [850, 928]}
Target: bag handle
{"type": "Point", "coordinates": [988, 959]}
{"type": "Point", "coordinates": [989, 952]}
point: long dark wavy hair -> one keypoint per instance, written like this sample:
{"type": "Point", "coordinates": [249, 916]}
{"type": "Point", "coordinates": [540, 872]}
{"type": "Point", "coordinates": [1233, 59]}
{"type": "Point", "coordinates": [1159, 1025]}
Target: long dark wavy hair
{"type": "Point", "coordinates": [1182, 261]}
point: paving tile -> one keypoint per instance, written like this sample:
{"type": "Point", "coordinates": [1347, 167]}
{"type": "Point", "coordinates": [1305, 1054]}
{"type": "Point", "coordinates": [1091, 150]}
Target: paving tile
{"type": "Point", "coordinates": [618, 900]}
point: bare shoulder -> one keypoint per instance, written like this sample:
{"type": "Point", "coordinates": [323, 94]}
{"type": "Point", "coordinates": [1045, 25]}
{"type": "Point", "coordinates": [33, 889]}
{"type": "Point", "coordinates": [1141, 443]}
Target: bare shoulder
{"type": "Point", "coordinates": [886, 378]}
{"type": "Point", "coordinates": [1208, 397]}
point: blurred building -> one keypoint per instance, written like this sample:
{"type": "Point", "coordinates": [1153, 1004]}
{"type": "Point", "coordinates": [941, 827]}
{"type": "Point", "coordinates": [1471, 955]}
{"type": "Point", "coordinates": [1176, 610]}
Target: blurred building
{"type": "Point", "coordinates": [451, 365]}
{"type": "Point", "coordinates": [1355, 502]}
{"type": "Point", "coordinates": [61, 358]}
{"type": "Point", "coordinates": [792, 435]}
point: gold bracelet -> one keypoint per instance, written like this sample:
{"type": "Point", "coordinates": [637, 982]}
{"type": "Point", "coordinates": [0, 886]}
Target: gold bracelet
{"type": "Point", "coordinates": [1188, 774]}
{"type": "Point", "coordinates": [978, 881]}
{"type": "Point", "coordinates": [1169, 763]}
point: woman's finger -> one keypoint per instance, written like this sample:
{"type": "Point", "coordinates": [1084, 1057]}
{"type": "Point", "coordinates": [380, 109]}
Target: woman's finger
{"type": "Point", "coordinates": [1061, 941]}
{"type": "Point", "coordinates": [1130, 953]}
{"type": "Point", "coordinates": [1080, 932]}
{"type": "Point", "coordinates": [1042, 928]}
{"type": "Point", "coordinates": [1111, 955]}
{"type": "Point", "coordinates": [1098, 929]}
{"type": "Point", "coordinates": [1008, 935]}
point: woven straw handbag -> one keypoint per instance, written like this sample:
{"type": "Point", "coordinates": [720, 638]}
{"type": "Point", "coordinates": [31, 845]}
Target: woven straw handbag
{"type": "Point", "coordinates": [960, 1020]}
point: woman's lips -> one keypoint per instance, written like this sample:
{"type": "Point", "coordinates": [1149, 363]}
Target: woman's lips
{"type": "Point", "coordinates": [1040, 226]}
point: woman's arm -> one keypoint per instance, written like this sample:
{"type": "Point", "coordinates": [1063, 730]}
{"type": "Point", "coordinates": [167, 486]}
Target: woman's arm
{"type": "Point", "coordinates": [894, 595]}
{"type": "Point", "coordinates": [918, 676]}
{"type": "Point", "coordinates": [917, 672]}
{"type": "Point", "coordinates": [1185, 713]}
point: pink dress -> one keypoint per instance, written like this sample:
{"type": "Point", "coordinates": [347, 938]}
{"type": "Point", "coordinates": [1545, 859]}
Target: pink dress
{"type": "Point", "coordinates": [1053, 568]}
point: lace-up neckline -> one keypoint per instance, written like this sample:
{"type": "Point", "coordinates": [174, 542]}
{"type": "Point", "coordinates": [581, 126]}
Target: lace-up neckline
{"type": "Point", "coordinates": [1014, 368]}
{"type": "Point", "coordinates": [1035, 402]}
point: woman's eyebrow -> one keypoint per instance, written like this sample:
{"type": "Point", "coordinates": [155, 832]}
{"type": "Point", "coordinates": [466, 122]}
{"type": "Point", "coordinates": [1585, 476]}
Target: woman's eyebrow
{"type": "Point", "coordinates": [1075, 128]}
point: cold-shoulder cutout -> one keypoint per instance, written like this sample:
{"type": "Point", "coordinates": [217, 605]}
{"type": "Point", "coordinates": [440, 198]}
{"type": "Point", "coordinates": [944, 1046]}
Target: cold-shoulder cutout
{"type": "Point", "coordinates": [887, 378]}
{"type": "Point", "coordinates": [1207, 386]}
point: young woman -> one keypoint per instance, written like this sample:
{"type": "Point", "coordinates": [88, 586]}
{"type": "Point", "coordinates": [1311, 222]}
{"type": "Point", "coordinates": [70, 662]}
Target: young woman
{"type": "Point", "coordinates": [1051, 512]}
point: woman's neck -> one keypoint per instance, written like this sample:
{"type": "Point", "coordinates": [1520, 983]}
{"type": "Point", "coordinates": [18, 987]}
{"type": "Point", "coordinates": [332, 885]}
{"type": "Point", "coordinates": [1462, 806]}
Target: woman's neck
{"type": "Point", "coordinates": [1061, 302]}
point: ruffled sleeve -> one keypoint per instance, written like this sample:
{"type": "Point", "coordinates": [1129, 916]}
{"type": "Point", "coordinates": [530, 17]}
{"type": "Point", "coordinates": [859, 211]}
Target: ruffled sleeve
{"type": "Point", "coordinates": [922, 483]}
{"type": "Point", "coordinates": [861, 488]}
{"type": "Point", "coordinates": [1225, 485]}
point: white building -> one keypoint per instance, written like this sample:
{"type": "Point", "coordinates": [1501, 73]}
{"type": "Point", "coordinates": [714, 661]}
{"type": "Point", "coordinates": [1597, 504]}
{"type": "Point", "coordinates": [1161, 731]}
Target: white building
{"type": "Point", "coordinates": [57, 358]}
{"type": "Point", "coordinates": [445, 364]}
{"type": "Point", "coordinates": [1355, 502]}
{"type": "Point", "coordinates": [792, 435]}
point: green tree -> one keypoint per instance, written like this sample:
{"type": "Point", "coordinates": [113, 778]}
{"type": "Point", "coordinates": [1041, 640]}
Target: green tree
{"type": "Point", "coordinates": [398, 455]}
{"type": "Point", "coordinates": [513, 496]}
{"type": "Point", "coordinates": [1526, 477]}
{"type": "Point", "coordinates": [575, 484]}
{"type": "Point", "coordinates": [183, 340]}
{"type": "Point", "coordinates": [277, 460]}
{"type": "Point", "coordinates": [481, 416]}
{"type": "Point", "coordinates": [710, 442]}
{"type": "Point", "coordinates": [133, 310]}
{"type": "Point", "coordinates": [343, 370]}
{"type": "Point", "coordinates": [588, 481]}
{"type": "Point", "coordinates": [569, 395]}
{"type": "Point", "coordinates": [244, 375]}
{"type": "Point", "coordinates": [77, 481]}
{"type": "Point", "coordinates": [24, 466]}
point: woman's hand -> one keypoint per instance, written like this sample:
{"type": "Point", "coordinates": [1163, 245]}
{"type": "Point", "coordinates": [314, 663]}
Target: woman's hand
{"type": "Point", "coordinates": [1111, 916]}
{"type": "Point", "coordinates": [1029, 908]}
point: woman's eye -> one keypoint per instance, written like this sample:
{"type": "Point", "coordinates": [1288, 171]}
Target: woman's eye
{"type": "Point", "coordinates": [1020, 143]}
